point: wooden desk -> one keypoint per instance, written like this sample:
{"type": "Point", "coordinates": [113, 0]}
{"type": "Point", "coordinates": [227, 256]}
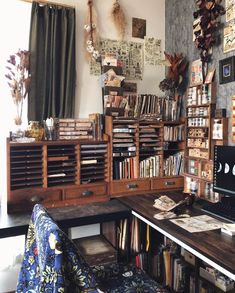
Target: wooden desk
{"type": "Point", "coordinates": [216, 249]}
{"type": "Point", "coordinates": [66, 217]}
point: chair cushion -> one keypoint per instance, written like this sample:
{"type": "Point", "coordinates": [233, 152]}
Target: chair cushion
{"type": "Point", "coordinates": [51, 262]}
{"type": "Point", "coordinates": [121, 278]}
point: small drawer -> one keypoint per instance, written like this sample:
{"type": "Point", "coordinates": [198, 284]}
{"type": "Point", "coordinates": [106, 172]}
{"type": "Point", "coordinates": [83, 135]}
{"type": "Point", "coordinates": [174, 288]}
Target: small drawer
{"type": "Point", "coordinates": [86, 191]}
{"type": "Point", "coordinates": [34, 196]}
{"type": "Point", "coordinates": [133, 186]}
{"type": "Point", "coordinates": [167, 183]}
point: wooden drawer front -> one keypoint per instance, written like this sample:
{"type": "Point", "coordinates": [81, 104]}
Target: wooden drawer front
{"type": "Point", "coordinates": [134, 186]}
{"type": "Point", "coordinates": [86, 191]}
{"type": "Point", "coordinates": [167, 183]}
{"type": "Point", "coordinates": [35, 196]}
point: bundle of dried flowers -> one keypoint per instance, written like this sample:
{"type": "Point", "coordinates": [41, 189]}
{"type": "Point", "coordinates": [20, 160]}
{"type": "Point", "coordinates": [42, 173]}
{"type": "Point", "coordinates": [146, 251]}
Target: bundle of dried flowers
{"type": "Point", "coordinates": [19, 80]}
{"type": "Point", "coordinates": [118, 18]}
{"type": "Point", "coordinates": [177, 67]}
{"type": "Point", "coordinates": [206, 24]}
{"type": "Point", "coordinates": [91, 34]}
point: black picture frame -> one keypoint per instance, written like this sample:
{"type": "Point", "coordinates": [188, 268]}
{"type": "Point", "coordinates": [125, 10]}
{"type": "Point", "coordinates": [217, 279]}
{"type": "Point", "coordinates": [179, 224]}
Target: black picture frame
{"type": "Point", "coordinates": [227, 70]}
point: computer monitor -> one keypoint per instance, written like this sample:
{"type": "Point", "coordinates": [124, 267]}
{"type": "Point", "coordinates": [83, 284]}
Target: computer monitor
{"type": "Point", "coordinates": [224, 170]}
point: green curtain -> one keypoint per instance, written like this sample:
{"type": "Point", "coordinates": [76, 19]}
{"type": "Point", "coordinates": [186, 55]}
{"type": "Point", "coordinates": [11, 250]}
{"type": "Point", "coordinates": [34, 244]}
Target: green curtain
{"type": "Point", "coordinates": [52, 62]}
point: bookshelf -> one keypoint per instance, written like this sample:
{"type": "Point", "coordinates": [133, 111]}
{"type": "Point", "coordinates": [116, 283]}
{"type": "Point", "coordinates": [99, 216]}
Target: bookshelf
{"type": "Point", "coordinates": [172, 265]}
{"type": "Point", "coordinates": [203, 131]}
{"type": "Point", "coordinates": [145, 155]}
{"type": "Point", "coordinates": [57, 173]}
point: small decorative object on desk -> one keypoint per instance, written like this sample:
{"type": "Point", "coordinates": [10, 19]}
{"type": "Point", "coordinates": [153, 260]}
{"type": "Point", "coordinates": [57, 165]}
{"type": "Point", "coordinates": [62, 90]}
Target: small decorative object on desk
{"type": "Point", "coordinates": [35, 131]}
{"type": "Point", "coordinates": [49, 127]}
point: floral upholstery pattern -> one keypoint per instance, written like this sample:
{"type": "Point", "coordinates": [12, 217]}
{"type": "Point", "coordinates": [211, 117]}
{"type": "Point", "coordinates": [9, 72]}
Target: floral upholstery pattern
{"type": "Point", "coordinates": [121, 278]}
{"type": "Point", "coordinates": [51, 262]}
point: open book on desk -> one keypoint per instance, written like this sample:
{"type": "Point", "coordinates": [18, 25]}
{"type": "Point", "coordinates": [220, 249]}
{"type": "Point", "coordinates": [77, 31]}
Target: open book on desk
{"type": "Point", "coordinates": [166, 204]}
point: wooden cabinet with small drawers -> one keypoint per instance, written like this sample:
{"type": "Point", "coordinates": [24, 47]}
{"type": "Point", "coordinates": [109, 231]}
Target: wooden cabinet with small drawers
{"type": "Point", "coordinates": [56, 173]}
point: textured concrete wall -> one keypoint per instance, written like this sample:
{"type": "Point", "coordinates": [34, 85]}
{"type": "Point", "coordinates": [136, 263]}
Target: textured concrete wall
{"type": "Point", "coordinates": [179, 19]}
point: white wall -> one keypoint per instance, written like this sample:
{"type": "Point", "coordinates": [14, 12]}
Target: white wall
{"type": "Point", "coordinates": [88, 93]}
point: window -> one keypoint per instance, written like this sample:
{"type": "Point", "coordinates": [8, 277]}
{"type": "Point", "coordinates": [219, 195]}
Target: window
{"type": "Point", "coordinates": [14, 31]}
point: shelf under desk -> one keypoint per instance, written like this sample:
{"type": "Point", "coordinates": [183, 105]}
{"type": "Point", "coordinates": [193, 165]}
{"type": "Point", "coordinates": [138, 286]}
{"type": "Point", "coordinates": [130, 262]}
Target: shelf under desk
{"type": "Point", "coordinates": [213, 247]}
{"type": "Point", "coordinates": [66, 217]}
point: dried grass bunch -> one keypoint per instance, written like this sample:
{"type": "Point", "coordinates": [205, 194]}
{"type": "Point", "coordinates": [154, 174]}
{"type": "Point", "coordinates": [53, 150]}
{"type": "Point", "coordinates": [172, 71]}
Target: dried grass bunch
{"type": "Point", "coordinates": [19, 80]}
{"type": "Point", "coordinates": [118, 18]}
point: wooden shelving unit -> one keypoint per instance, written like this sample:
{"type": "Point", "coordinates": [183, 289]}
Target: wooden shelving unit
{"type": "Point", "coordinates": [202, 134]}
{"type": "Point", "coordinates": [141, 158]}
{"type": "Point", "coordinates": [57, 173]}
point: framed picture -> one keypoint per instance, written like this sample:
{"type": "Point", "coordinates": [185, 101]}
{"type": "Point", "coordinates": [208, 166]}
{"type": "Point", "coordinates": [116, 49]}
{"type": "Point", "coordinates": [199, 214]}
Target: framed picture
{"type": "Point", "coordinates": [196, 74]}
{"type": "Point", "coordinates": [226, 70]}
{"type": "Point", "coordinates": [138, 28]}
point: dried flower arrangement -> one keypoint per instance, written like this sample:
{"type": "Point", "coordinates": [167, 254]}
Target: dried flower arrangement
{"type": "Point", "coordinates": [177, 67]}
{"type": "Point", "coordinates": [19, 80]}
{"type": "Point", "coordinates": [206, 24]}
{"type": "Point", "coordinates": [91, 35]}
{"type": "Point", "coordinates": [118, 18]}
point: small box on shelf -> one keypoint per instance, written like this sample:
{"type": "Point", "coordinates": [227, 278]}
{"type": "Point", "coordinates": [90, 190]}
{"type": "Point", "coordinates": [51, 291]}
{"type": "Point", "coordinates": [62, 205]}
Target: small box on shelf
{"type": "Point", "coordinates": [217, 279]}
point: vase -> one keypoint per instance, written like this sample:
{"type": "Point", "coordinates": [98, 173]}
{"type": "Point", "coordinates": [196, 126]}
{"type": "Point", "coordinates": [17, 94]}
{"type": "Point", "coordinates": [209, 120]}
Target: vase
{"type": "Point", "coordinates": [18, 112]}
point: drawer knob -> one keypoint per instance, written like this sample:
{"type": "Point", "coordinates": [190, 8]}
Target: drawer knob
{"type": "Point", "coordinates": [36, 199]}
{"type": "Point", "coordinates": [87, 193]}
{"type": "Point", "coordinates": [132, 185]}
{"type": "Point", "coordinates": [167, 183]}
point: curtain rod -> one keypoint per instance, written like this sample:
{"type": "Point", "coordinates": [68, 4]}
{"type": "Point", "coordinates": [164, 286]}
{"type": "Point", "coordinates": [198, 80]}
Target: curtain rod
{"type": "Point", "coordinates": [49, 2]}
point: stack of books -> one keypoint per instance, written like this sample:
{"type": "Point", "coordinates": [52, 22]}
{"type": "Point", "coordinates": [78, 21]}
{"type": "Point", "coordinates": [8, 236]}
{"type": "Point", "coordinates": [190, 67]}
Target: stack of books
{"type": "Point", "coordinates": [75, 128]}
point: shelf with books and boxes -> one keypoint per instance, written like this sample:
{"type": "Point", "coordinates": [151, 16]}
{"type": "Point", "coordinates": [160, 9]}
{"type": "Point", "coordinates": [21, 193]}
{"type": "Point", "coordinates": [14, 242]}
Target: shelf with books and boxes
{"type": "Point", "coordinates": [140, 159]}
{"type": "Point", "coordinates": [112, 90]}
{"type": "Point", "coordinates": [175, 267]}
{"type": "Point", "coordinates": [203, 131]}
{"type": "Point", "coordinates": [57, 173]}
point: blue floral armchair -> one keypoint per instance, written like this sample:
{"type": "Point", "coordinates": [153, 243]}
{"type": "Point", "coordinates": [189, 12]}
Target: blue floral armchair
{"type": "Point", "coordinates": [52, 264]}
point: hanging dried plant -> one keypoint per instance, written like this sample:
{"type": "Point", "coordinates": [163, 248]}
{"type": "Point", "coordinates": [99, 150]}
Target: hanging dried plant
{"type": "Point", "coordinates": [206, 26]}
{"type": "Point", "coordinates": [177, 66]}
{"type": "Point", "coordinates": [118, 18]}
{"type": "Point", "coordinates": [91, 33]}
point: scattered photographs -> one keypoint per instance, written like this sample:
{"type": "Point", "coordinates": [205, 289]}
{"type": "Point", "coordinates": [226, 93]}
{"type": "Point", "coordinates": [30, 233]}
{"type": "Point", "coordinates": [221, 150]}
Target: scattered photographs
{"type": "Point", "coordinates": [130, 54]}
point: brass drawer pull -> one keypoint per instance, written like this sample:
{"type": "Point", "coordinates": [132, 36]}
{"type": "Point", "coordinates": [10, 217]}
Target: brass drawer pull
{"type": "Point", "coordinates": [87, 193]}
{"type": "Point", "coordinates": [36, 199]}
{"type": "Point", "coordinates": [167, 183]}
{"type": "Point", "coordinates": [132, 185]}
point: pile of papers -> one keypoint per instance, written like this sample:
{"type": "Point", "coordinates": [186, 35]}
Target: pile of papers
{"type": "Point", "coordinates": [228, 229]}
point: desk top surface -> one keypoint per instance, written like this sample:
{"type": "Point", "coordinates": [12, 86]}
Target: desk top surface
{"type": "Point", "coordinates": [213, 245]}
{"type": "Point", "coordinates": [66, 217]}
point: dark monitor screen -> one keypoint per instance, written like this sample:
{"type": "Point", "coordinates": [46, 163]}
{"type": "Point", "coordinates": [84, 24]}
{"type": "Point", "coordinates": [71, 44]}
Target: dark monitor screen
{"type": "Point", "coordinates": [224, 170]}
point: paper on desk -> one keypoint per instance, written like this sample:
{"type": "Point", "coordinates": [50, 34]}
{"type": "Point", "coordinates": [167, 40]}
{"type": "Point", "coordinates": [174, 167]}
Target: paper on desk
{"type": "Point", "coordinates": [166, 204]}
{"type": "Point", "coordinates": [198, 223]}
